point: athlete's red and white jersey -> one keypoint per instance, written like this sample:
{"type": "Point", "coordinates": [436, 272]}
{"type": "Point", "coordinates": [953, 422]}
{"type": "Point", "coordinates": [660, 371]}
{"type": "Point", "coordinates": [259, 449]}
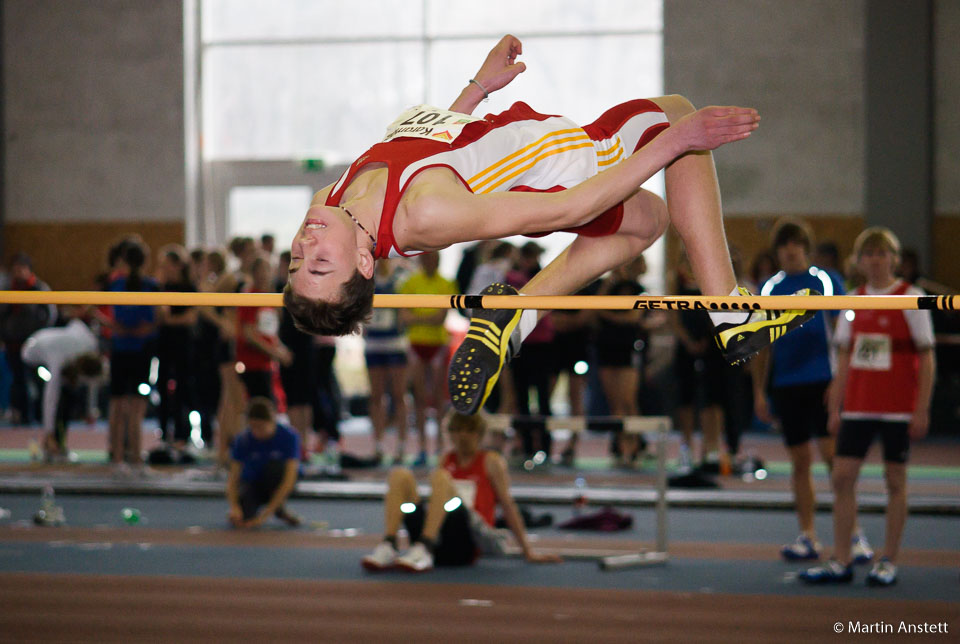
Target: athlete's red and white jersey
{"type": "Point", "coordinates": [884, 357]}
{"type": "Point", "coordinates": [518, 149]}
{"type": "Point", "coordinates": [473, 485]}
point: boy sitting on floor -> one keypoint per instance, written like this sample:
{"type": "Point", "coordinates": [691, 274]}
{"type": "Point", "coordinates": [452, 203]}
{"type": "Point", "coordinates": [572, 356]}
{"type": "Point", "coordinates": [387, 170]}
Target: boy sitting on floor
{"type": "Point", "coordinates": [456, 524]}
{"type": "Point", "coordinates": [264, 462]}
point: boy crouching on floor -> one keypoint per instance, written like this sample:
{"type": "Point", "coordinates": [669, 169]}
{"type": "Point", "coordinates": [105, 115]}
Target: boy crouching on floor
{"type": "Point", "coordinates": [264, 464]}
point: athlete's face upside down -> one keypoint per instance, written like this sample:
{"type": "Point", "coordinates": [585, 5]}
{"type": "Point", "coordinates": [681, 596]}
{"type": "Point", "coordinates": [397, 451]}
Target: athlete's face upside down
{"type": "Point", "coordinates": [325, 253]}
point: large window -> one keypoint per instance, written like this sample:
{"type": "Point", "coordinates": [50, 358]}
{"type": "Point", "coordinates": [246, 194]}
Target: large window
{"type": "Point", "coordinates": [322, 78]}
{"type": "Point", "coordinates": [284, 80]}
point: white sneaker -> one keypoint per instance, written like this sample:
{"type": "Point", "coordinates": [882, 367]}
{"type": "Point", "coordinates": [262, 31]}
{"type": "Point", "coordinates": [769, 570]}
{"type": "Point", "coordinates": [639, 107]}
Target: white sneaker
{"type": "Point", "coordinates": [883, 573]}
{"type": "Point", "coordinates": [121, 471]}
{"type": "Point", "coordinates": [417, 559]}
{"type": "Point", "coordinates": [142, 471]}
{"type": "Point", "coordinates": [803, 549]}
{"type": "Point", "coordinates": [860, 550]}
{"type": "Point", "coordinates": [383, 557]}
{"type": "Point", "coordinates": [684, 462]}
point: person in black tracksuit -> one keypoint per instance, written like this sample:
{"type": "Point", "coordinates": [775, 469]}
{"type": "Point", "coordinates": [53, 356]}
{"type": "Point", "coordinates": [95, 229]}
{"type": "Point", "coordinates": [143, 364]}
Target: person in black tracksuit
{"type": "Point", "coordinates": [175, 346]}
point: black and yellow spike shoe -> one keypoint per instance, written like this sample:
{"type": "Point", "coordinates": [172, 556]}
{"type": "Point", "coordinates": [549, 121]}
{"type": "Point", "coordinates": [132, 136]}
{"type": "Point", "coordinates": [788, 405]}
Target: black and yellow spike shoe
{"type": "Point", "coordinates": [741, 341]}
{"type": "Point", "coordinates": [476, 365]}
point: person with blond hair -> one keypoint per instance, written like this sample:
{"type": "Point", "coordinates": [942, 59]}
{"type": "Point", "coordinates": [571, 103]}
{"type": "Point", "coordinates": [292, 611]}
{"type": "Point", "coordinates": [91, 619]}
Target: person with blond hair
{"type": "Point", "coordinates": [883, 388]}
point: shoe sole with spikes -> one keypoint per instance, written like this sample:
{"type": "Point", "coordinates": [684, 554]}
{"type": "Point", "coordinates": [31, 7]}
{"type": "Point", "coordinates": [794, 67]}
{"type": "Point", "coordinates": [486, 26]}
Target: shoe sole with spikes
{"type": "Point", "coordinates": [476, 365]}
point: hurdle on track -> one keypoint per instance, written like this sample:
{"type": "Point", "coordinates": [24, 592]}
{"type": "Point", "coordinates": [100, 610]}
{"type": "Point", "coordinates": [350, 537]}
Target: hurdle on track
{"type": "Point", "coordinates": [660, 426]}
{"type": "Point", "coordinates": [535, 302]}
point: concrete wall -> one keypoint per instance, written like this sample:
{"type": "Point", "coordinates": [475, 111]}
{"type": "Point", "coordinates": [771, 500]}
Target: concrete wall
{"type": "Point", "coordinates": [946, 56]}
{"type": "Point", "coordinates": [93, 127]}
{"type": "Point", "coordinates": [94, 113]}
{"type": "Point", "coordinates": [801, 65]}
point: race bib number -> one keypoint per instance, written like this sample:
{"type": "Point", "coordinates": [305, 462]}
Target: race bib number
{"type": "Point", "coordinates": [428, 122]}
{"type": "Point", "coordinates": [466, 490]}
{"type": "Point", "coordinates": [872, 352]}
{"type": "Point", "coordinates": [268, 322]}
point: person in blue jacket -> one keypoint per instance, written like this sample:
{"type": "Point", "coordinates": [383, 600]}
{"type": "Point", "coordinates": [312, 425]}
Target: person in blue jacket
{"type": "Point", "coordinates": [797, 371]}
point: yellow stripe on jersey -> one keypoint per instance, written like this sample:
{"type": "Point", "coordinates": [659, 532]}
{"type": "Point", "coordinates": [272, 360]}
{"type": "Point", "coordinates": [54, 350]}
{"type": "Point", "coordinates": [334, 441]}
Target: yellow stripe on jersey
{"type": "Point", "coordinates": [523, 165]}
{"type": "Point", "coordinates": [613, 159]}
{"type": "Point", "coordinates": [523, 151]}
{"type": "Point", "coordinates": [611, 149]}
{"type": "Point", "coordinates": [535, 161]}
{"type": "Point", "coordinates": [537, 154]}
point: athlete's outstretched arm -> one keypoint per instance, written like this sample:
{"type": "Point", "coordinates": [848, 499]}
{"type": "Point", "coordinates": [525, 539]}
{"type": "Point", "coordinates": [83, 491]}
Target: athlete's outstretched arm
{"type": "Point", "coordinates": [500, 480]}
{"type": "Point", "coordinates": [499, 68]}
{"type": "Point", "coordinates": [448, 214]}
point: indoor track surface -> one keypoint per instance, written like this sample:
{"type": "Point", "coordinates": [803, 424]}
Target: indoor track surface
{"type": "Point", "coordinates": [181, 575]}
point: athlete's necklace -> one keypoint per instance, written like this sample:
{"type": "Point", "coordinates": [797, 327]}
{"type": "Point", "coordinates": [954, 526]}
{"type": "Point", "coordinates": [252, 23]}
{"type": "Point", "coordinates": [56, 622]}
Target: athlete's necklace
{"type": "Point", "coordinates": [372, 238]}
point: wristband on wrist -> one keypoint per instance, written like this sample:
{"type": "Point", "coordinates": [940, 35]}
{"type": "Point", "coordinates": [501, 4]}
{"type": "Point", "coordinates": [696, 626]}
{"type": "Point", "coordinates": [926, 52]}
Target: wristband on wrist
{"type": "Point", "coordinates": [486, 94]}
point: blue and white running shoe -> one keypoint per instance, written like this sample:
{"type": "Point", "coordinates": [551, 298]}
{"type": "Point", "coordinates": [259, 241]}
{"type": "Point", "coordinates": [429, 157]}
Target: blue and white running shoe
{"type": "Point", "coordinates": [883, 573]}
{"type": "Point", "coordinates": [831, 572]}
{"type": "Point", "coordinates": [860, 550]}
{"type": "Point", "coordinates": [803, 549]}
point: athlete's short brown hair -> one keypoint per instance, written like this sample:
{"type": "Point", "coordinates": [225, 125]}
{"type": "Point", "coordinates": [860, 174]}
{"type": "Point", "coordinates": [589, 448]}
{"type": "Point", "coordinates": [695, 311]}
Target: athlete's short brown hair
{"type": "Point", "coordinates": [344, 316]}
{"type": "Point", "coordinates": [792, 230]}
{"type": "Point", "coordinates": [261, 408]}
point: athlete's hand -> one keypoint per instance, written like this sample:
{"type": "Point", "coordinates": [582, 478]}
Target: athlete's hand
{"type": "Point", "coordinates": [501, 65]}
{"type": "Point", "coordinates": [284, 356]}
{"type": "Point", "coordinates": [256, 521]}
{"type": "Point", "coordinates": [710, 127]}
{"type": "Point", "coordinates": [919, 424]}
{"type": "Point", "coordinates": [543, 557]}
{"type": "Point", "coordinates": [235, 516]}
{"type": "Point", "coordinates": [762, 409]}
{"type": "Point", "coordinates": [833, 423]}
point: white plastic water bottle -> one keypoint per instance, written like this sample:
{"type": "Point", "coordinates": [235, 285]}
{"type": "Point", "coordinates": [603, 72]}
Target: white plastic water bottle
{"type": "Point", "coordinates": [49, 513]}
{"type": "Point", "coordinates": [47, 499]}
{"type": "Point", "coordinates": [685, 461]}
{"type": "Point", "coordinates": [580, 494]}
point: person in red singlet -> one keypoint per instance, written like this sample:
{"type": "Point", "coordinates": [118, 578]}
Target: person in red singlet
{"type": "Point", "coordinates": [456, 525]}
{"type": "Point", "coordinates": [883, 387]}
{"type": "Point", "coordinates": [443, 176]}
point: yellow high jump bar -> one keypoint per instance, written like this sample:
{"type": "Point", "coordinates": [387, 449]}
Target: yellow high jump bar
{"type": "Point", "coordinates": [539, 302]}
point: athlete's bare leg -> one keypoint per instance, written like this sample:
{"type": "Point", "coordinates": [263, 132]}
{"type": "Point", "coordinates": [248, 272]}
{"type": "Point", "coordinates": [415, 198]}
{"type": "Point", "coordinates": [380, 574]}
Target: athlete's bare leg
{"type": "Point", "coordinates": [693, 198]}
{"type": "Point", "coordinates": [846, 470]}
{"type": "Point", "coordinates": [645, 219]}
{"type": "Point", "coordinates": [378, 405]}
{"type": "Point", "coordinates": [441, 491]}
{"type": "Point", "coordinates": [401, 488]}
{"type": "Point", "coordinates": [801, 481]}
{"type": "Point", "coordinates": [301, 419]}
{"type": "Point", "coordinates": [116, 423]}
{"type": "Point", "coordinates": [896, 476]}
{"type": "Point", "coordinates": [693, 206]}
{"type": "Point", "coordinates": [419, 378]}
